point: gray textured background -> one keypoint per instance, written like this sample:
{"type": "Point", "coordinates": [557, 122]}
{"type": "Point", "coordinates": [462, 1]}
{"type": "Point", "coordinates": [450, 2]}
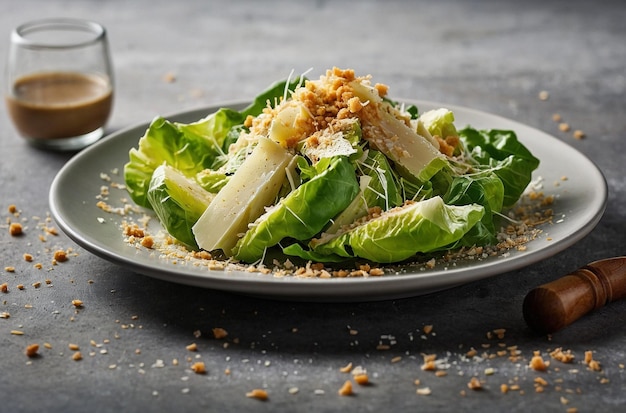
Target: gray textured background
{"type": "Point", "coordinates": [489, 55]}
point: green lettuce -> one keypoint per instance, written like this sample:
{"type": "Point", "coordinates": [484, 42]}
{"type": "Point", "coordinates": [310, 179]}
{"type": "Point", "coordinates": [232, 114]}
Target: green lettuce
{"type": "Point", "coordinates": [484, 189]}
{"type": "Point", "coordinates": [502, 153]}
{"type": "Point", "coordinates": [379, 188]}
{"type": "Point", "coordinates": [400, 233]}
{"type": "Point", "coordinates": [305, 211]}
{"type": "Point", "coordinates": [439, 122]}
{"type": "Point", "coordinates": [194, 147]}
{"type": "Point", "coordinates": [272, 95]}
{"type": "Point", "coordinates": [189, 148]}
{"type": "Point", "coordinates": [429, 202]}
{"type": "Point", "coordinates": [178, 202]}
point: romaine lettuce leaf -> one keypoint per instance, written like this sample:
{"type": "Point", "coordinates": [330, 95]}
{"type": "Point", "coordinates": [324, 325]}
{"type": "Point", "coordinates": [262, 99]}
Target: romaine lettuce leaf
{"type": "Point", "coordinates": [188, 148]}
{"type": "Point", "coordinates": [305, 211]}
{"type": "Point", "coordinates": [400, 233]}
{"type": "Point", "coordinates": [192, 147]}
{"type": "Point", "coordinates": [297, 250]}
{"type": "Point", "coordinates": [212, 180]}
{"type": "Point", "coordinates": [484, 189]}
{"type": "Point", "coordinates": [439, 122]}
{"type": "Point", "coordinates": [272, 95]}
{"type": "Point", "coordinates": [501, 152]}
{"type": "Point", "coordinates": [378, 189]}
{"type": "Point", "coordinates": [178, 202]}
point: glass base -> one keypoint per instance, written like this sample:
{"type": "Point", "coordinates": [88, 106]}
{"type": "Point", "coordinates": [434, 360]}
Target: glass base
{"type": "Point", "coordinates": [74, 143]}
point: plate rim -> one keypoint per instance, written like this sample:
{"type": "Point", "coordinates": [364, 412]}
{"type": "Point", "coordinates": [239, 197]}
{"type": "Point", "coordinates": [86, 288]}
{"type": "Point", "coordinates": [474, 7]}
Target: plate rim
{"type": "Point", "coordinates": [301, 288]}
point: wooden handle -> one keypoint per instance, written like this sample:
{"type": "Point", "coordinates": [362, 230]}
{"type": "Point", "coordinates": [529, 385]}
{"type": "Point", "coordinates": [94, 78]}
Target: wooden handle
{"type": "Point", "coordinates": [555, 305]}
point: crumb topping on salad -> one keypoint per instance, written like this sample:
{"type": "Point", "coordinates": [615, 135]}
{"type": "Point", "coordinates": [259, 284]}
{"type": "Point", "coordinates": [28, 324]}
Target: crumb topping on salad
{"type": "Point", "coordinates": [321, 104]}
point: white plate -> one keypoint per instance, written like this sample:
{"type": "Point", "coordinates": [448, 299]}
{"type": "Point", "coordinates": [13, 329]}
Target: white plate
{"type": "Point", "coordinates": [581, 200]}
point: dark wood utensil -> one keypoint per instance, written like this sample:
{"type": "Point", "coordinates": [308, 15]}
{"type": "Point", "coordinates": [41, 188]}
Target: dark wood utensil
{"type": "Point", "coordinates": [555, 305]}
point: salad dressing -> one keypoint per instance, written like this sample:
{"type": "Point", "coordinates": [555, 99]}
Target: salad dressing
{"type": "Point", "coordinates": [57, 105]}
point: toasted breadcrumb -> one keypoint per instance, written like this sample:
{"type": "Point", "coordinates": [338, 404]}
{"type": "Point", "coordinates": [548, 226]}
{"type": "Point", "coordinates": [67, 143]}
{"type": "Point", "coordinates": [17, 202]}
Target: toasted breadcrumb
{"type": "Point", "coordinates": [590, 362]}
{"type": "Point", "coordinates": [537, 363]}
{"type": "Point", "coordinates": [562, 356]}
{"type": "Point", "coordinates": [429, 362]}
{"type": "Point", "coordinates": [198, 367]}
{"type": "Point", "coordinates": [32, 350]}
{"type": "Point", "coordinates": [169, 77]}
{"type": "Point", "coordinates": [60, 256]}
{"type": "Point", "coordinates": [15, 229]}
{"type": "Point", "coordinates": [499, 332]}
{"type": "Point", "coordinates": [346, 369]}
{"type": "Point", "coordinates": [134, 230]}
{"type": "Point", "coordinates": [423, 391]}
{"type": "Point", "coordinates": [361, 379]}
{"type": "Point", "coordinates": [346, 389]}
{"type": "Point", "coordinates": [474, 384]}
{"type": "Point", "coordinates": [147, 242]}
{"type": "Point", "coordinates": [258, 394]}
{"type": "Point", "coordinates": [51, 231]}
{"type": "Point", "coordinates": [219, 333]}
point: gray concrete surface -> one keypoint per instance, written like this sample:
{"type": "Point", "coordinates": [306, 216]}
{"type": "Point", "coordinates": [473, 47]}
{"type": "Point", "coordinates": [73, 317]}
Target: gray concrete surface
{"type": "Point", "coordinates": [494, 56]}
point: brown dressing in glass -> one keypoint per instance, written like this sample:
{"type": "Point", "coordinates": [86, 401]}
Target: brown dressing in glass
{"type": "Point", "coordinates": [57, 105]}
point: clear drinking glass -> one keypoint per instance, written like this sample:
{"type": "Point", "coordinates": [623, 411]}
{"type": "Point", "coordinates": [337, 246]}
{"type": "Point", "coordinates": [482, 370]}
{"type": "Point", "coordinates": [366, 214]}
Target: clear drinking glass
{"type": "Point", "coordinates": [59, 82]}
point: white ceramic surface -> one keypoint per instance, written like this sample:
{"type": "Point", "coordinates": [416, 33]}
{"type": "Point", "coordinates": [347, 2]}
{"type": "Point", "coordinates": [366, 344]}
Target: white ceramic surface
{"type": "Point", "coordinates": [580, 203]}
